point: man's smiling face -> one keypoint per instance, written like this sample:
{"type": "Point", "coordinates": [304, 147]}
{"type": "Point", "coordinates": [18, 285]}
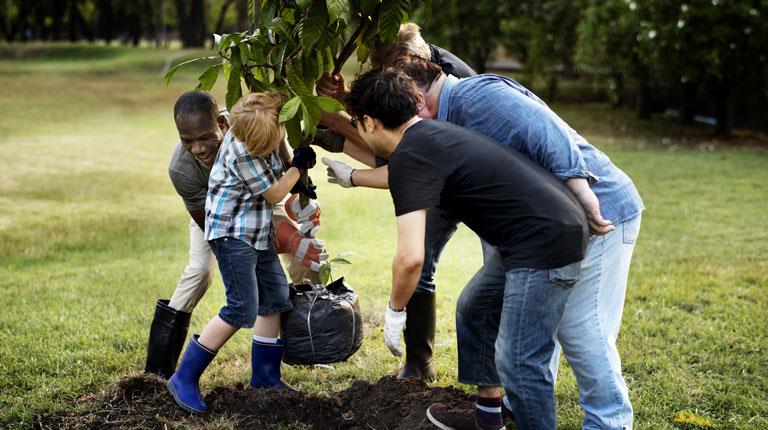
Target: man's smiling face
{"type": "Point", "coordinates": [201, 136]}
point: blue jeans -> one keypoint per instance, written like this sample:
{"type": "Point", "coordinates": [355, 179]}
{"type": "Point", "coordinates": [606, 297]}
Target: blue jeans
{"type": "Point", "coordinates": [254, 282]}
{"type": "Point", "coordinates": [505, 326]}
{"type": "Point", "coordinates": [590, 326]}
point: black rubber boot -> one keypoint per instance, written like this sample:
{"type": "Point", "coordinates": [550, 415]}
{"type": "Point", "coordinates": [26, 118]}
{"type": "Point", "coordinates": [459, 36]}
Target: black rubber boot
{"type": "Point", "coordinates": [166, 339]}
{"type": "Point", "coordinates": [419, 337]}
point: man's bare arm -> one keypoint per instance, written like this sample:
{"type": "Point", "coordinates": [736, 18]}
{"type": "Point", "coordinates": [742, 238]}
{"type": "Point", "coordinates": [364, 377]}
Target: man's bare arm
{"type": "Point", "coordinates": [409, 257]}
{"type": "Point", "coordinates": [371, 178]}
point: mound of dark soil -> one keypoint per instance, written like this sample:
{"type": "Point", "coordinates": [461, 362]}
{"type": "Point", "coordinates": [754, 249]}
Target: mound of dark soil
{"type": "Point", "coordinates": [143, 402]}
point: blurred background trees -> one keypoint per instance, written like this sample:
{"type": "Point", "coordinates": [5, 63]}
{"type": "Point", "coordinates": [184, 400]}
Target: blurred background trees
{"type": "Point", "coordinates": [703, 60]}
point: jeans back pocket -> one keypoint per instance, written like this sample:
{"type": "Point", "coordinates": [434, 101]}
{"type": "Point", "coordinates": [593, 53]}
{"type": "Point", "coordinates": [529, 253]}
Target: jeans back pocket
{"type": "Point", "coordinates": [565, 276]}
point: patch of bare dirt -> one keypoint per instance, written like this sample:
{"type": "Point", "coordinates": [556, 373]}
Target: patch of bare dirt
{"type": "Point", "coordinates": [143, 402]}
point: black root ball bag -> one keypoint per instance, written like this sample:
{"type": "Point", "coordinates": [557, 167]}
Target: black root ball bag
{"type": "Point", "coordinates": [325, 325]}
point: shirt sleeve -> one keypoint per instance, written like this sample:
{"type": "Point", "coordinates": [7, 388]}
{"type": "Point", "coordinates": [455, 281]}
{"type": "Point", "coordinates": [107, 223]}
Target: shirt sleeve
{"type": "Point", "coordinates": [254, 172]}
{"type": "Point", "coordinates": [415, 182]}
{"type": "Point", "coordinates": [505, 111]}
{"type": "Point", "coordinates": [190, 191]}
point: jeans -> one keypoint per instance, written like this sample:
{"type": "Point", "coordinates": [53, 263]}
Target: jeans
{"type": "Point", "coordinates": [590, 326]}
{"type": "Point", "coordinates": [254, 282]}
{"type": "Point", "coordinates": [506, 322]}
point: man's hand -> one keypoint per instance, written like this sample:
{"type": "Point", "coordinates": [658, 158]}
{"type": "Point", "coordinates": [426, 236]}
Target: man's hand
{"type": "Point", "coordinates": [308, 218]}
{"type": "Point", "coordinates": [394, 324]}
{"type": "Point", "coordinates": [338, 172]}
{"type": "Point", "coordinates": [308, 251]}
{"type": "Point", "coordinates": [328, 140]}
{"type": "Point", "coordinates": [588, 200]}
{"type": "Point", "coordinates": [332, 86]}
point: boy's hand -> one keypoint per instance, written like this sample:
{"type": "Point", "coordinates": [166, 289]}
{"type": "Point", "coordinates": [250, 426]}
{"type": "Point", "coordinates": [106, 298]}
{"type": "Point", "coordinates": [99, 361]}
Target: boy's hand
{"type": "Point", "coordinates": [304, 158]}
{"type": "Point", "coordinates": [308, 218]}
{"type": "Point", "coordinates": [308, 251]}
{"type": "Point", "coordinates": [308, 190]}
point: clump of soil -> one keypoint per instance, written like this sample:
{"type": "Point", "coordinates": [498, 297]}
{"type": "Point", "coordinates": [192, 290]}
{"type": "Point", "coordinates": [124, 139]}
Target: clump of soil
{"type": "Point", "coordinates": [143, 402]}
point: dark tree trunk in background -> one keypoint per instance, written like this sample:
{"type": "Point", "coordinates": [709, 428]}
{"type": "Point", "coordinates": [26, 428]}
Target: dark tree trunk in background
{"type": "Point", "coordinates": [218, 29]}
{"type": "Point", "coordinates": [159, 23]}
{"type": "Point", "coordinates": [105, 20]}
{"type": "Point", "coordinates": [619, 90]}
{"type": "Point", "coordinates": [191, 17]}
{"type": "Point", "coordinates": [688, 107]}
{"type": "Point", "coordinates": [134, 23]}
{"type": "Point", "coordinates": [22, 28]}
{"type": "Point", "coordinates": [59, 10]}
{"type": "Point", "coordinates": [41, 30]}
{"type": "Point", "coordinates": [721, 94]}
{"type": "Point", "coordinates": [7, 22]}
{"type": "Point", "coordinates": [552, 81]}
{"type": "Point", "coordinates": [644, 100]}
{"type": "Point", "coordinates": [480, 59]}
{"type": "Point", "coordinates": [242, 14]}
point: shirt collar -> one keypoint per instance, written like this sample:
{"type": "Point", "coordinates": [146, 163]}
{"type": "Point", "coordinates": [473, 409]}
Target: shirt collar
{"type": "Point", "coordinates": [445, 94]}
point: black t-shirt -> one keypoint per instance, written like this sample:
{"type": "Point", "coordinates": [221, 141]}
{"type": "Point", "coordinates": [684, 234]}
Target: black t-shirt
{"type": "Point", "coordinates": [503, 196]}
{"type": "Point", "coordinates": [451, 65]}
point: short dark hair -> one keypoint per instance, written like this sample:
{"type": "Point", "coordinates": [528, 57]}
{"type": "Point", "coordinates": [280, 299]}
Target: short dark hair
{"type": "Point", "coordinates": [194, 103]}
{"type": "Point", "coordinates": [422, 71]}
{"type": "Point", "coordinates": [386, 94]}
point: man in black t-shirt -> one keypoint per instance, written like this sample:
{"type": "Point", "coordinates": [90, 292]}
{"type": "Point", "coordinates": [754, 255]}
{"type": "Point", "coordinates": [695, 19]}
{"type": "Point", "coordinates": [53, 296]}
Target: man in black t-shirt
{"type": "Point", "coordinates": [441, 225]}
{"type": "Point", "coordinates": [536, 224]}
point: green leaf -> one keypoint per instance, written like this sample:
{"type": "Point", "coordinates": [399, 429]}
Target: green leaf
{"type": "Point", "coordinates": [284, 30]}
{"type": "Point", "coordinates": [315, 21]}
{"type": "Point", "coordinates": [368, 7]}
{"type": "Point", "coordinates": [293, 130]}
{"type": "Point", "coordinates": [289, 15]}
{"type": "Point", "coordinates": [338, 9]}
{"type": "Point", "coordinates": [289, 109]}
{"type": "Point", "coordinates": [253, 83]}
{"type": "Point", "coordinates": [362, 54]}
{"type": "Point", "coordinates": [311, 112]}
{"type": "Point", "coordinates": [208, 78]}
{"type": "Point", "coordinates": [234, 90]}
{"type": "Point", "coordinates": [267, 13]}
{"type": "Point", "coordinates": [338, 260]}
{"type": "Point", "coordinates": [328, 104]}
{"type": "Point", "coordinates": [390, 17]}
{"type": "Point", "coordinates": [325, 273]}
{"type": "Point", "coordinates": [302, 4]}
{"type": "Point", "coordinates": [174, 69]}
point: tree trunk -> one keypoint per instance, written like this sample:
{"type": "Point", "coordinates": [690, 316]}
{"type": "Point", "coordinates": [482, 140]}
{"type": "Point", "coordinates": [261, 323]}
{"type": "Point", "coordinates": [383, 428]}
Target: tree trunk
{"type": "Point", "coordinates": [644, 100]}
{"type": "Point", "coordinates": [619, 90]}
{"type": "Point", "coordinates": [191, 14]}
{"type": "Point", "coordinates": [242, 14]}
{"type": "Point", "coordinates": [723, 108]}
{"type": "Point", "coordinates": [59, 10]}
{"type": "Point", "coordinates": [688, 105]}
{"type": "Point", "coordinates": [8, 27]}
{"type": "Point", "coordinates": [135, 24]}
{"type": "Point", "coordinates": [222, 14]}
{"type": "Point", "coordinates": [159, 23]}
{"type": "Point", "coordinates": [105, 20]}
{"type": "Point", "coordinates": [552, 81]}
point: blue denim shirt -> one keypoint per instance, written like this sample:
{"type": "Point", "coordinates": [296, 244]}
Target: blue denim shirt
{"type": "Point", "coordinates": [503, 109]}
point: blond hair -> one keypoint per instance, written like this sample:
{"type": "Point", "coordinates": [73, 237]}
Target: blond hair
{"type": "Point", "coordinates": [254, 122]}
{"type": "Point", "coordinates": [409, 43]}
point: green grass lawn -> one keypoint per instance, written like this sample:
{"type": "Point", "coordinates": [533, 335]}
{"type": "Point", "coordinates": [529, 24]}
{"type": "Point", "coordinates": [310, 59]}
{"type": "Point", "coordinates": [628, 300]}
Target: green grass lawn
{"type": "Point", "coordinates": [92, 233]}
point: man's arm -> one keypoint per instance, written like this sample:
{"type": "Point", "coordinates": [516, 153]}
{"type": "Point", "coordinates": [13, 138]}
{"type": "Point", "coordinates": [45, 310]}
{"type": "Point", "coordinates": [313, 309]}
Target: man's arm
{"type": "Point", "coordinates": [199, 217]}
{"type": "Point", "coordinates": [371, 178]}
{"type": "Point", "coordinates": [409, 257]}
{"type": "Point", "coordinates": [354, 145]}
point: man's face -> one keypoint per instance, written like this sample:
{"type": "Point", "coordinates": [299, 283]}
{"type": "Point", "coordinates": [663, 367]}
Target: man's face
{"type": "Point", "coordinates": [365, 127]}
{"type": "Point", "coordinates": [201, 136]}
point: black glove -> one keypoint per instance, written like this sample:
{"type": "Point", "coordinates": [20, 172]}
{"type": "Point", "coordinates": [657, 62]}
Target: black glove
{"type": "Point", "coordinates": [308, 190]}
{"type": "Point", "coordinates": [303, 158]}
{"type": "Point", "coordinates": [329, 140]}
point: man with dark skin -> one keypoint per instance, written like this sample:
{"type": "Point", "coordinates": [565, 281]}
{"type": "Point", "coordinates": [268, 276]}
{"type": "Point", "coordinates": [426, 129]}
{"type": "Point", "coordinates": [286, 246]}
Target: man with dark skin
{"type": "Point", "coordinates": [201, 127]}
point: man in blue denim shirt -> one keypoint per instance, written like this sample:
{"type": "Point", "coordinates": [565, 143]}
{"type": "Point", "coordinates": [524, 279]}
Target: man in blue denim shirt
{"type": "Point", "coordinates": [502, 109]}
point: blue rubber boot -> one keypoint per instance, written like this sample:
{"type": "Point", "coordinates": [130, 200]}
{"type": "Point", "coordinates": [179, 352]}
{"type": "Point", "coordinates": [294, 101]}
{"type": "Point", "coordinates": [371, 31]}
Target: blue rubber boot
{"type": "Point", "coordinates": [265, 365]}
{"type": "Point", "coordinates": [184, 385]}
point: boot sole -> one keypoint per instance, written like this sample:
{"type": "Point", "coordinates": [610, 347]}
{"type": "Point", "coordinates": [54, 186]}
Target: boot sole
{"type": "Point", "coordinates": [180, 403]}
{"type": "Point", "coordinates": [437, 423]}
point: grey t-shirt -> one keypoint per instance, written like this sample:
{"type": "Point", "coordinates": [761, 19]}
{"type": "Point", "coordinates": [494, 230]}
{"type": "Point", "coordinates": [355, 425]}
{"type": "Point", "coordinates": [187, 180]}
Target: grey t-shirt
{"type": "Point", "coordinates": [189, 177]}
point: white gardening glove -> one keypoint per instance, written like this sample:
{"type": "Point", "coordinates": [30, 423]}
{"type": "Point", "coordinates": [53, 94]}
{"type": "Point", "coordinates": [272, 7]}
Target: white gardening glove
{"type": "Point", "coordinates": [338, 172]}
{"type": "Point", "coordinates": [308, 218]}
{"type": "Point", "coordinates": [394, 324]}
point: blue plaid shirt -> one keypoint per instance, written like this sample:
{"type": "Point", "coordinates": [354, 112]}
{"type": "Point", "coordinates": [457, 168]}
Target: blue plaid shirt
{"type": "Point", "coordinates": [502, 109]}
{"type": "Point", "coordinates": [234, 206]}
